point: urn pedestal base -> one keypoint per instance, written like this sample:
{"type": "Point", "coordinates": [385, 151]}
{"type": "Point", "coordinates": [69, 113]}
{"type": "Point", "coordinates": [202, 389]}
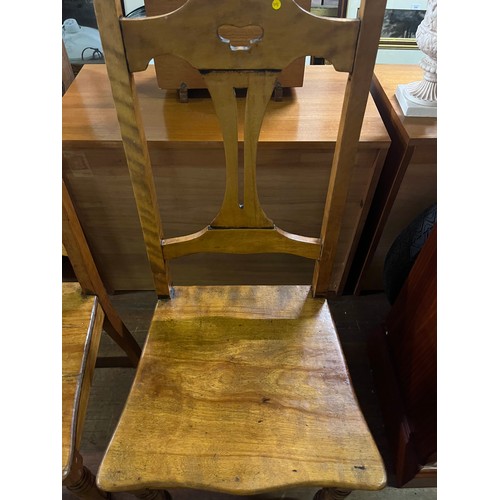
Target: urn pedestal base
{"type": "Point", "coordinates": [411, 108]}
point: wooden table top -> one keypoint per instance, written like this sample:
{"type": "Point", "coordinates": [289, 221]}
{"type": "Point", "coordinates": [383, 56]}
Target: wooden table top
{"type": "Point", "coordinates": [308, 115]}
{"type": "Point", "coordinates": [387, 79]}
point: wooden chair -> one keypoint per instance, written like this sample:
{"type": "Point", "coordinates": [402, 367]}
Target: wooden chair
{"type": "Point", "coordinates": [241, 389]}
{"type": "Point", "coordinates": [86, 310]}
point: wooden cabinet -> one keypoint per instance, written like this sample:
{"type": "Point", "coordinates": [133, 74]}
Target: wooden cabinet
{"type": "Point", "coordinates": [403, 353]}
{"type": "Point", "coordinates": [294, 161]}
{"type": "Point", "coordinates": [407, 184]}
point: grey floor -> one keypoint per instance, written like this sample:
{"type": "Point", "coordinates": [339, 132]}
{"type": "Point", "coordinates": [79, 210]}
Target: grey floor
{"type": "Point", "coordinates": [355, 317]}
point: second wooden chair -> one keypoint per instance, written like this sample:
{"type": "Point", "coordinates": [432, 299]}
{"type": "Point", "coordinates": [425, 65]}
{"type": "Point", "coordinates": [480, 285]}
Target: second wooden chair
{"type": "Point", "coordinates": [86, 311]}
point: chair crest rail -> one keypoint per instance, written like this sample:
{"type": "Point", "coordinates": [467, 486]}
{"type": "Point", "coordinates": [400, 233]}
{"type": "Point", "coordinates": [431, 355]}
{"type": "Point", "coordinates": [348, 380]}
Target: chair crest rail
{"type": "Point", "coordinates": [203, 47]}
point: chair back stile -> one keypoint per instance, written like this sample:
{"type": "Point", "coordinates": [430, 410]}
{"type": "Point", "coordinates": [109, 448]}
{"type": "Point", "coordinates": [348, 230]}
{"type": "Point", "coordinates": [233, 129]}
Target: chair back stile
{"type": "Point", "coordinates": [239, 44]}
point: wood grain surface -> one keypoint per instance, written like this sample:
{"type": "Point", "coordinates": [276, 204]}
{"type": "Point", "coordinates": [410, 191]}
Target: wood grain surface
{"type": "Point", "coordinates": [308, 117]}
{"type": "Point", "coordinates": [242, 390]}
{"type": "Point", "coordinates": [82, 322]}
{"type": "Point", "coordinates": [134, 139]}
{"type": "Point", "coordinates": [418, 130]}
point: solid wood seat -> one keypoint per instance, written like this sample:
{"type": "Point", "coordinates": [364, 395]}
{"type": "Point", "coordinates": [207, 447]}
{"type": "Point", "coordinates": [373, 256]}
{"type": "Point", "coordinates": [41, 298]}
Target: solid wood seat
{"type": "Point", "coordinates": [82, 322]}
{"type": "Point", "coordinates": [242, 389]}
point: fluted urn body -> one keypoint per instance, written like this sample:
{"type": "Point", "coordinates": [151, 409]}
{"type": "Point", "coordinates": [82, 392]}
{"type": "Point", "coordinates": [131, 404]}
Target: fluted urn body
{"type": "Point", "coordinates": [420, 98]}
{"type": "Point", "coordinates": [424, 92]}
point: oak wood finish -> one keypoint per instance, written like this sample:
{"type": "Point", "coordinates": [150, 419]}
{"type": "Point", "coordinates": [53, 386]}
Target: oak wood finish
{"type": "Point", "coordinates": [403, 354]}
{"type": "Point", "coordinates": [295, 154]}
{"type": "Point", "coordinates": [408, 181]}
{"type": "Point", "coordinates": [172, 71]}
{"type": "Point", "coordinates": [82, 322]}
{"type": "Point", "coordinates": [245, 391]}
{"type": "Point", "coordinates": [80, 256]}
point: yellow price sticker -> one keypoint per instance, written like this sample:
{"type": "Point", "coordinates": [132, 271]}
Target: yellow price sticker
{"type": "Point", "coordinates": [276, 4]}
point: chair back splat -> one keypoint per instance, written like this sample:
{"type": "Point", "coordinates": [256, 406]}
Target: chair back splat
{"type": "Point", "coordinates": [239, 44]}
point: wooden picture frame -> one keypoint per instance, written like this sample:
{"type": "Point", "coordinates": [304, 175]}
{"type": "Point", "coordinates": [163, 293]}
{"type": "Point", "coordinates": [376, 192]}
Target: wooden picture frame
{"type": "Point", "coordinates": [400, 28]}
{"type": "Point", "coordinates": [401, 20]}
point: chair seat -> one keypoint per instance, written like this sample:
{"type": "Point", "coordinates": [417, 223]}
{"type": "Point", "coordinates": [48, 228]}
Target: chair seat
{"type": "Point", "coordinates": [82, 321]}
{"type": "Point", "coordinates": [241, 389]}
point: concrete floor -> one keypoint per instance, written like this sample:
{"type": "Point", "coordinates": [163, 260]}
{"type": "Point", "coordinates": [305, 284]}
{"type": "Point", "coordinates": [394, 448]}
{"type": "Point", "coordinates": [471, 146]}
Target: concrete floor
{"type": "Point", "coordinates": [354, 316]}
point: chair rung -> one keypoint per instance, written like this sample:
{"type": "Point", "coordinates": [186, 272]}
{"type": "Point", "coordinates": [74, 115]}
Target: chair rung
{"type": "Point", "coordinates": [242, 241]}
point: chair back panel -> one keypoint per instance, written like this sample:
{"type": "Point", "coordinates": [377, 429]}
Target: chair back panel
{"type": "Point", "coordinates": [240, 34]}
{"type": "Point", "coordinates": [239, 44]}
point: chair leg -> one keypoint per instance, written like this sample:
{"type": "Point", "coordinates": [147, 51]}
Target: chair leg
{"type": "Point", "coordinates": [81, 482]}
{"type": "Point", "coordinates": [331, 494]}
{"type": "Point", "coordinates": [152, 494]}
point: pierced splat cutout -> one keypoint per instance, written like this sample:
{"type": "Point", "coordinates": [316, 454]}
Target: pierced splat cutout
{"type": "Point", "coordinates": [260, 86]}
{"type": "Point", "coordinates": [240, 38]}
